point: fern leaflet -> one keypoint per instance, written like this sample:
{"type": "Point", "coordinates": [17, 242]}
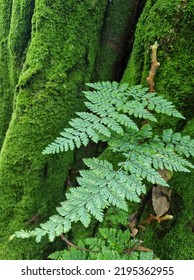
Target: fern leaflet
{"type": "Point", "coordinates": [107, 187]}
{"type": "Point", "coordinates": [115, 112]}
{"type": "Point", "coordinates": [113, 108]}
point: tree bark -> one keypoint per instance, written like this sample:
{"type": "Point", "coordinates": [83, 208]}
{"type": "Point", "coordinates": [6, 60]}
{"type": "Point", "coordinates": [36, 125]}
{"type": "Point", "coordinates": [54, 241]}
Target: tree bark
{"type": "Point", "coordinates": [170, 23]}
{"type": "Point", "coordinates": [48, 50]}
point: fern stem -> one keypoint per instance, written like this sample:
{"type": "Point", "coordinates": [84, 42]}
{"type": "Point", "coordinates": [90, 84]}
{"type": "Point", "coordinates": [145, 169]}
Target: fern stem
{"type": "Point", "coordinates": [70, 244]}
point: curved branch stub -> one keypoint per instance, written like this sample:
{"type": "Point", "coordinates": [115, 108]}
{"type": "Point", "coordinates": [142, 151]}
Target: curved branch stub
{"type": "Point", "coordinates": [154, 66]}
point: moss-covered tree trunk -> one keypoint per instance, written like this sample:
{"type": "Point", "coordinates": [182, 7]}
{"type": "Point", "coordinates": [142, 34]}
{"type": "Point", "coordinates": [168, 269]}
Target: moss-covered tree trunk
{"type": "Point", "coordinates": [48, 50]}
{"type": "Point", "coordinates": [170, 23]}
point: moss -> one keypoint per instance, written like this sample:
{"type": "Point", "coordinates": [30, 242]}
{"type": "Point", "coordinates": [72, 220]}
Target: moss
{"type": "Point", "coordinates": [6, 93]}
{"type": "Point", "coordinates": [55, 67]}
{"type": "Point", "coordinates": [174, 239]}
{"type": "Point", "coordinates": [117, 32]}
{"type": "Point", "coordinates": [169, 23]}
{"type": "Point", "coordinates": [178, 242]}
{"type": "Point", "coordinates": [15, 30]}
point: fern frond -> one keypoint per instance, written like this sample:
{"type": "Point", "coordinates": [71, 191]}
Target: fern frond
{"type": "Point", "coordinates": [102, 85]}
{"type": "Point", "coordinates": [113, 110]}
{"type": "Point", "coordinates": [163, 156]}
{"type": "Point", "coordinates": [160, 105]}
{"type": "Point", "coordinates": [141, 166]}
{"type": "Point", "coordinates": [111, 107]}
{"type": "Point", "coordinates": [183, 145]}
{"type": "Point", "coordinates": [131, 139]}
{"type": "Point", "coordinates": [137, 109]}
{"type": "Point", "coordinates": [83, 129]}
{"type": "Point", "coordinates": [152, 155]}
{"type": "Point", "coordinates": [111, 241]}
{"type": "Point", "coordinates": [100, 187]}
{"type": "Point", "coordinates": [115, 244]}
{"type": "Point", "coordinates": [111, 244]}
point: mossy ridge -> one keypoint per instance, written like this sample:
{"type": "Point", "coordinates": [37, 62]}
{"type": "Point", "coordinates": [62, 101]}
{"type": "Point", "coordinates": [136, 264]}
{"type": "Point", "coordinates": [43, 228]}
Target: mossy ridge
{"type": "Point", "coordinates": [170, 24]}
{"type": "Point", "coordinates": [54, 71]}
{"type": "Point", "coordinates": [19, 35]}
{"type": "Point", "coordinates": [117, 32]}
{"type": "Point", "coordinates": [15, 24]}
{"type": "Point", "coordinates": [6, 92]}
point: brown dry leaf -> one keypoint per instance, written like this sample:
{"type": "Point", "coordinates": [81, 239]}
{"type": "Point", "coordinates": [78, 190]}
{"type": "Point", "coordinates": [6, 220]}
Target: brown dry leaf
{"type": "Point", "coordinates": [132, 224]}
{"type": "Point", "coordinates": [133, 229]}
{"type": "Point", "coordinates": [144, 249]}
{"type": "Point", "coordinates": [134, 232]}
{"type": "Point", "coordinates": [161, 200]}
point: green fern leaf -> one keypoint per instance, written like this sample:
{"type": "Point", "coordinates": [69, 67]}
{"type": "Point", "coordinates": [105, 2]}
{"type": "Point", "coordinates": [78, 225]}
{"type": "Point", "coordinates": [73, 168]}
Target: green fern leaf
{"type": "Point", "coordinates": [94, 243]}
{"type": "Point", "coordinates": [113, 110]}
{"type": "Point", "coordinates": [106, 187]}
{"type": "Point", "coordinates": [161, 105]}
{"type": "Point", "coordinates": [138, 110]}
{"type": "Point", "coordinates": [84, 216]}
{"type": "Point", "coordinates": [146, 256]}
{"type": "Point", "coordinates": [183, 145]}
{"type": "Point", "coordinates": [102, 85]}
{"type": "Point", "coordinates": [138, 166]}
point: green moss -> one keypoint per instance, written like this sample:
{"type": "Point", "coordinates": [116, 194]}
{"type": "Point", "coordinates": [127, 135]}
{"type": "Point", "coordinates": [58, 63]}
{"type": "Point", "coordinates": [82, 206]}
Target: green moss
{"type": "Point", "coordinates": [178, 242]}
{"type": "Point", "coordinates": [56, 66]}
{"type": "Point", "coordinates": [15, 32]}
{"type": "Point", "coordinates": [174, 239]}
{"type": "Point", "coordinates": [169, 23]}
{"type": "Point", "coordinates": [117, 32]}
{"type": "Point", "coordinates": [6, 93]}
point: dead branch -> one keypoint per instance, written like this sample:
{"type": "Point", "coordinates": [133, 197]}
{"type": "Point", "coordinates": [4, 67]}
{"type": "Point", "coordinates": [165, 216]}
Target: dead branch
{"type": "Point", "coordinates": [154, 66]}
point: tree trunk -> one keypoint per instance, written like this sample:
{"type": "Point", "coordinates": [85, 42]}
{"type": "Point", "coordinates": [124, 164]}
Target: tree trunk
{"type": "Point", "coordinates": [170, 23]}
{"type": "Point", "coordinates": [48, 50]}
